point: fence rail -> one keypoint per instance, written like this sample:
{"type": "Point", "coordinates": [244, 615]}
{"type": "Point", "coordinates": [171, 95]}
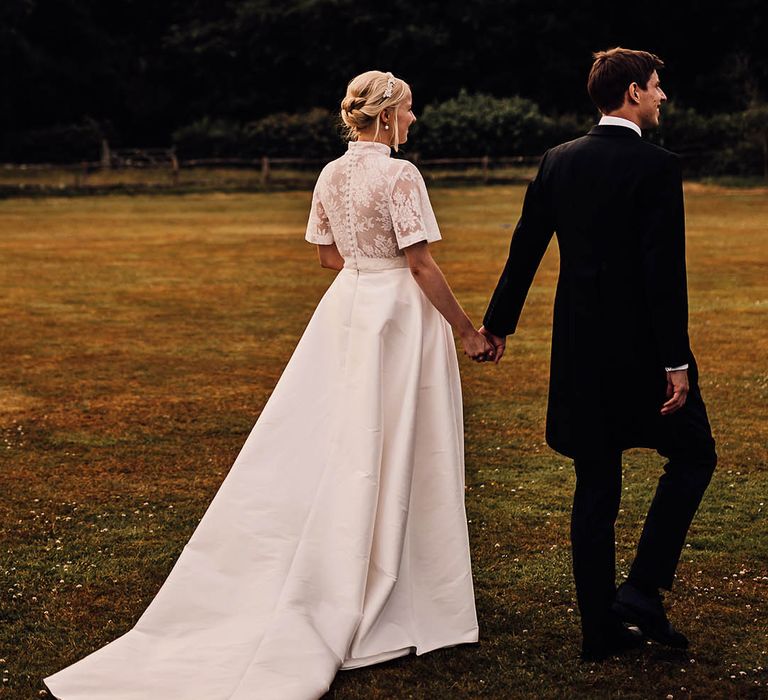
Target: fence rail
{"type": "Point", "coordinates": [165, 169]}
{"type": "Point", "coordinates": [166, 159]}
{"type": "Point", "coordinates": [121, 170]}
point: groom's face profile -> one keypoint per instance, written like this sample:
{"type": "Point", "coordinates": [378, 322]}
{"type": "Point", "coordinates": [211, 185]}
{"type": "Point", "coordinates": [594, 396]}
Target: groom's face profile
{"type": "Point", "coordinates": [648, 101]}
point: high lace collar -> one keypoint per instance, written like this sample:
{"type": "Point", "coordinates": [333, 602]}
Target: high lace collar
{"type": "Point", "coordinates": [368, 146]}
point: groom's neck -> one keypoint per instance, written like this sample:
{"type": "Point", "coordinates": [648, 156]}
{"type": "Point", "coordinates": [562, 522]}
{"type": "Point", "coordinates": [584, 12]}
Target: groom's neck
{"type": "Point", "coordinates": [625, 113]}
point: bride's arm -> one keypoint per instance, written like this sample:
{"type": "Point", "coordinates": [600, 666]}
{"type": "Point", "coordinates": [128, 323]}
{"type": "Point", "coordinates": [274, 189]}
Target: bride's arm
{"type": "Point", "coordinates": [330, 257]}
{"type": "Point", "coordinates": [435, 287]}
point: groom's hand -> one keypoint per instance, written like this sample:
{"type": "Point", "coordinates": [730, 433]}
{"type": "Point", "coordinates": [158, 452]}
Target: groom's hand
{"type": "Point", "coordinates": [499, 343]}
{"type": "Point", "coordinates": [677, 391]}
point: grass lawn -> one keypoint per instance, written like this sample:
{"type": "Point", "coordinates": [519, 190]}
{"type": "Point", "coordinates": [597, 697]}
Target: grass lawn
{"type": "Point", "coordinates": [140, 337]}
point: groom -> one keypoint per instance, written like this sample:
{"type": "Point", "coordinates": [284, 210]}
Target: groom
{"type": "Point", "coordinates": [622, 372]}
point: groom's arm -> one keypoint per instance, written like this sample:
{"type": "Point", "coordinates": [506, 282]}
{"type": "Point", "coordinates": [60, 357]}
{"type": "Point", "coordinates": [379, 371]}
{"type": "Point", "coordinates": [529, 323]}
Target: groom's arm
{"type": "Point", "coordinates": [666, 289]}
{"type": "Point", "coordinates": [529, 243]}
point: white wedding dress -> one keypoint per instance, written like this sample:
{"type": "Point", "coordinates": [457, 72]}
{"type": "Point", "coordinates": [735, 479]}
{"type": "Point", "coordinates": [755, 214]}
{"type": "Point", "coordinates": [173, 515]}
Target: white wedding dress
{"type": "Point", "coordinates": [339, 537]}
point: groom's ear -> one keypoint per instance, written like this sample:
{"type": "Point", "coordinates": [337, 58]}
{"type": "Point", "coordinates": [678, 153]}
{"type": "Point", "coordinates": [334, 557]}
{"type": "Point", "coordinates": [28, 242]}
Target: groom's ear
{"type": "Point", "coordinates": [633, 93]}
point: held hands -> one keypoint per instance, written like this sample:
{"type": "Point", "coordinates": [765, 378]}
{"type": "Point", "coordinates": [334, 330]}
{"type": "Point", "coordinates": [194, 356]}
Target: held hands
{"type": "Point", "coordinates": [677, 391]}
{"type": "Point", "coordinates": [499, 344]}
{"type": "Point", "coordinates": [477, 346]}
{"type": "Point", "coordinates": [483, 346]}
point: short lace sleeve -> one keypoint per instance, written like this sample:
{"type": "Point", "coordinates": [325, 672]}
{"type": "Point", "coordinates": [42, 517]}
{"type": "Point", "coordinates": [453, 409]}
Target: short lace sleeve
{"type": "Point", "coordinates": [410, 209]}
{"type": "Point", "coordinates": [318, 226]}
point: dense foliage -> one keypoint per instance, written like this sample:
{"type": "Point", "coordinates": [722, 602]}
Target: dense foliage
{"type": "Point", "coordinates": [467, 125]}
{"type": "Point", "coordinates": [142, 69]}
{"type": "Point", "coordinates": [477, 125]}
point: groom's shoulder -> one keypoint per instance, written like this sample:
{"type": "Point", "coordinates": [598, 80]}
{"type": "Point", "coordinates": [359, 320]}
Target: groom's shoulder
{"type": "Point", "coordinates": [638, 149]}
{"type": "Point", "coordinates": [656, 151]}
{"type": "Point", "coordinates": [562, 151]}
{"type": "Point", "coordinates": [649, 150]}
{"type": "Point", "coordinates": [566, 146]}
{"type": "Point", "coordinates": [580, 147]}
{"type": "Point", "coordinates": [657, 159]}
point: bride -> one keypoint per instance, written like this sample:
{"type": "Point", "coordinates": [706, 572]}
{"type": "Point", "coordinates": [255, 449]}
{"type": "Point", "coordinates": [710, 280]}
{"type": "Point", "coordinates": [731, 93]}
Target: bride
{"type": "Point", "coordinates": [339, 537]}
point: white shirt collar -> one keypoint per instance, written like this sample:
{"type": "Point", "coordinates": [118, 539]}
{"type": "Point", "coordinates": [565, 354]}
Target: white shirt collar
{"type": "Point", "coordinates": [619, 121]}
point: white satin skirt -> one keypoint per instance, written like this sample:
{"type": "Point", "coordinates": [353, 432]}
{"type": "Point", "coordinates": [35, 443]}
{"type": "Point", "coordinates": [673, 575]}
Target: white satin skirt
{"type": "Point", "coordinates": [339, 537]}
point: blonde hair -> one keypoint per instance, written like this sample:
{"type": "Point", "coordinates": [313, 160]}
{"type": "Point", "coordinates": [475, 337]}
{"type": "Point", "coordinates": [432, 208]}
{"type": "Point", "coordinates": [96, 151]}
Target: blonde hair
{"type": "Point", "coordinates": [366, 99]}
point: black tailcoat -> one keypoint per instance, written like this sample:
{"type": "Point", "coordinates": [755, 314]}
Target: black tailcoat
{"type": "Point", "coordinates": [621, 313]}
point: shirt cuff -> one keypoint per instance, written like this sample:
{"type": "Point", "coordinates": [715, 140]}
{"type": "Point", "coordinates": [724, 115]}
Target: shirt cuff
{"type": "Point", "coordinates": [677, 369]}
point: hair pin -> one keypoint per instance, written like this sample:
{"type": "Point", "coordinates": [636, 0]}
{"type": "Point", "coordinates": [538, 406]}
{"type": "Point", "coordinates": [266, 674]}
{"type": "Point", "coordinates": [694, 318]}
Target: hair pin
{"type": "Point", "coordinates": [390, 86]}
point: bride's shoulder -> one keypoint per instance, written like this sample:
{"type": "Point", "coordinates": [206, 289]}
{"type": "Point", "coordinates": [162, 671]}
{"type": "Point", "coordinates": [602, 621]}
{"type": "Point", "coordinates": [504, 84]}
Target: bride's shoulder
{"type": "Point", "coordinates": [329, 170]}
{"type": "Point", "coordinates": [331, 166]}
{"type": "Point", "coordinates": [401, 169]}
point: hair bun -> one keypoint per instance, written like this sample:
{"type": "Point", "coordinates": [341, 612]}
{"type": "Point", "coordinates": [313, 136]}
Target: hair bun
{"type": "Point", "coordinates": [352, 104]}
{"type": "Point", "coordinates": [368, 95]}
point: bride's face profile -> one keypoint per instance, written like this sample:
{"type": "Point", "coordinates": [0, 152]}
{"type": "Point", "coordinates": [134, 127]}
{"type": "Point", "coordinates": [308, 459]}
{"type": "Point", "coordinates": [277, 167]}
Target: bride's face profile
{"type": "Point", "coordinates": [405, 117]}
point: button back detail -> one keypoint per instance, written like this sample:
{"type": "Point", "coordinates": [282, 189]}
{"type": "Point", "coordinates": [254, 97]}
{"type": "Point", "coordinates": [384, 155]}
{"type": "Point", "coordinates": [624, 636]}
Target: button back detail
{"type": "Point", "coordinates": [371, 206]}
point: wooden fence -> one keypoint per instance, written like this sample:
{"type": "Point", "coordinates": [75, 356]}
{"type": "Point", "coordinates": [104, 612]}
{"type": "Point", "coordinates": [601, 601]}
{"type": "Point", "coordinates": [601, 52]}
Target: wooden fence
{"type": "Point", "coordinates": [166, 159]}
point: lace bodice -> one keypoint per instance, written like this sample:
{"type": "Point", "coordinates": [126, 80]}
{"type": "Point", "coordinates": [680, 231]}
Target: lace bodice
{"type": "Point", "coordinates": [372, 206]}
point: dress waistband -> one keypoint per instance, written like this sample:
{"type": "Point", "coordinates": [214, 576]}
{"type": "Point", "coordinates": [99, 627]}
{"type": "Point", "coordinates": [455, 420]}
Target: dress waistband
{"type": "Point", "coordinates": [366, 264]}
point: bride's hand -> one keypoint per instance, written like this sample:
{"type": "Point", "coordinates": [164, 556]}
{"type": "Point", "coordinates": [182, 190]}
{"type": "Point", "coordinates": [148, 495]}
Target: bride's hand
{"type": "Point", "coordinates": [477, 346]}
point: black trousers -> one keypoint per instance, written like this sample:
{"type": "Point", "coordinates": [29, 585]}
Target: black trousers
{"type": "Point", "coordinates": [685, 440]}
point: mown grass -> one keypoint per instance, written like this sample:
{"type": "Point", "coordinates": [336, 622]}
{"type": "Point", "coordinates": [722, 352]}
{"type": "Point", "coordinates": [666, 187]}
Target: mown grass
{"type": "Point", "coordinates": [141, 336]}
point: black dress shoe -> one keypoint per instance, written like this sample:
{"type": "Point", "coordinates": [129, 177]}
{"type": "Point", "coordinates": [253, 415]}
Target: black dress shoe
{"type": "Point", "coordinates": [647, 612]}
{"type": "Point", "coordinates": [617, 639]}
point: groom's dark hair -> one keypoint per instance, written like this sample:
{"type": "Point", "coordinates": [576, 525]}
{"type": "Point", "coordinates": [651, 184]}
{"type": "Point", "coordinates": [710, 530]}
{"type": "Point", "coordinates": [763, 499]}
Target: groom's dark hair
{"type": "Point", "coordinates": [614, 71]}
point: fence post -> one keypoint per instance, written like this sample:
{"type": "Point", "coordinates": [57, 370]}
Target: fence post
{"type": "Point", "coordinates": [174, 166]}
{"type": "Point", "coordinates": [485, 169]}
{"type": "Point", "coordinates": [81, 174]}
{"type": "Point", "coordinates": [265, 170]}
{"type": "Point", "coordinates": [106, 155]}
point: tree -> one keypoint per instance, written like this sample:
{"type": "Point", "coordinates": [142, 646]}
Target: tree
{"type": "Point", "coordinates": [150, 67]}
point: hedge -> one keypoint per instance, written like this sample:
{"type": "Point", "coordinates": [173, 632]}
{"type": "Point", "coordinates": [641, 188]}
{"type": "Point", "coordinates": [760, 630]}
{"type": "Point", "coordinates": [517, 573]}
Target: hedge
{"type": "Point", "coordinates": [67, 143]}
{"type": "Point", "coordinates": [313, 134]}
{"type": "Point", "coordinates": [464, 126]}
{"type": "Point", "coordinates": [478, 125]}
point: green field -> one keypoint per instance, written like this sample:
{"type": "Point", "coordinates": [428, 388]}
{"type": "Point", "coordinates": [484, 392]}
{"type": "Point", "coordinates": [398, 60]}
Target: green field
{"type": "Point", "coordinates": [140, 337]}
